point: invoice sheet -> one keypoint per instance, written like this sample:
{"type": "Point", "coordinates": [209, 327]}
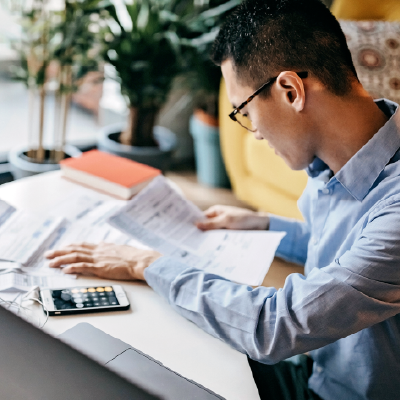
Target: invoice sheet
{"type": "Point", "coordinates": [78, 203]}
{"type": "Point", "coordinates": [6, 210]}
{"type": "Point", "coordinates": [14, 281]}
{"type": "Point", "coordinates": [163, 219]}
{"type": "Point", "coordinates": [23, 236]}
{"type": "Point", "coordinates": [89, 227]}
{"type": "Point", "coordinates": [94, 228]}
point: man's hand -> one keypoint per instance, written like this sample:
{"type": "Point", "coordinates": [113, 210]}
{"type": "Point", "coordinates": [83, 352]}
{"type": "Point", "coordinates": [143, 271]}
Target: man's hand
{"type": "Point", "coordinates": [104, 260]}
{"type": "Point", "coordinates": [227, 217]}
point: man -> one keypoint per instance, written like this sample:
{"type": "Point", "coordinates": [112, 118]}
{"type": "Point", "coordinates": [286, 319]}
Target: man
{"type": "Point", "coordinates": [314, 112]}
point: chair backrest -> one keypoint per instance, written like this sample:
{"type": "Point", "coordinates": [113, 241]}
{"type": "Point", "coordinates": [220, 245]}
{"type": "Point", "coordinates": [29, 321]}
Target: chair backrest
{"type": "Point", "coordinates": [362, 10]}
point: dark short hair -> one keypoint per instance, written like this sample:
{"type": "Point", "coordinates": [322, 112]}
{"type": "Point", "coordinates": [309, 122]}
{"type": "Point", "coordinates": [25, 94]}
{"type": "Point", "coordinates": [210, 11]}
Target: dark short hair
{"type": "Point", "coordinates": [266, 37]}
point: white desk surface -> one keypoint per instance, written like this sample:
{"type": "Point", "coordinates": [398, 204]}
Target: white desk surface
{"type": "Point", "coordinates": [151, 325]}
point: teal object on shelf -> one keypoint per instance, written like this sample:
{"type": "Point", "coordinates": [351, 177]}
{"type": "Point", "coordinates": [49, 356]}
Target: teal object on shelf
{"type": "Point", "coordinates": [209, 163]}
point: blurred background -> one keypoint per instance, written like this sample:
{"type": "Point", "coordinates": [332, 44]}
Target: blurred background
{"type": "Point", "coordinates": [96, 100]}
{"type": "Point", "coordinates": [134, 78]}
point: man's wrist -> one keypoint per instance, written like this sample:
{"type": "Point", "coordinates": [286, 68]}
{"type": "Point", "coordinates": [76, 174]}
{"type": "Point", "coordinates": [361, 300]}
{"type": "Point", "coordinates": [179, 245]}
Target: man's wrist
{"type": "Point", "coordinates": [263, 221]}
{"type": "Point", "coordinates": [137, 272]}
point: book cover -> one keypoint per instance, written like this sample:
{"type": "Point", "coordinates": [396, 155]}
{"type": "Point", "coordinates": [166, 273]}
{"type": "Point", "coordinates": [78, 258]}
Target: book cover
{"type": "Point", "coordinates": [115, 175]}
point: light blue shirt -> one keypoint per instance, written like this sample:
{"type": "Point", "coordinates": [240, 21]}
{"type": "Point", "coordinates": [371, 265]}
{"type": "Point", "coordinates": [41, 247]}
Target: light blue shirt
{"type": "Point", "coordinates": [344, 310]}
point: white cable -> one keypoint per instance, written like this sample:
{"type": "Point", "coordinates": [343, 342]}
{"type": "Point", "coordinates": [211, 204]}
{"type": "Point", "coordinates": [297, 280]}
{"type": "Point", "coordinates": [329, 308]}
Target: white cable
{"type": "Point", "coordinates": [34, 291]}
{"type": "Point", "coordinates": [45, 308]}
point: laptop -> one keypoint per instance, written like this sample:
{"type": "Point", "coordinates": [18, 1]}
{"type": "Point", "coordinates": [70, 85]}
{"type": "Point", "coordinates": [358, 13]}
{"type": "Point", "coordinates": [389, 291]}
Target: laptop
{"type": "Point", "coordinates": [36, 366]}
{"type": "Point", "coordinates": [133, 365]}
{"type": "Point", "coordinates": [85, 364]}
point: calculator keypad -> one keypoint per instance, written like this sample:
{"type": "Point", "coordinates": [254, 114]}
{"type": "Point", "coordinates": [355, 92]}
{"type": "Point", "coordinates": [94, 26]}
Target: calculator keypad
{"type": "Point", "coordinates": [78, 298]}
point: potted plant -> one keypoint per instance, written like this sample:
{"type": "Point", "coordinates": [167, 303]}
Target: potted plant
{"type": "Point", "coordinates": [145, 53]}
{"type": "Point", "coordinates": [56, 46]}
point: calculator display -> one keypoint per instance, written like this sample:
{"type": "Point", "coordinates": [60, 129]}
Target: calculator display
{"type": "Point", "coordinates": [79, 297]}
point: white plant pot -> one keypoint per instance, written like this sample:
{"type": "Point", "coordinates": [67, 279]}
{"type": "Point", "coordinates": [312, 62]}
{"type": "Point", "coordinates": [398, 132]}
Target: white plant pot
{"type": "Point", "coordinates": [22, 167]}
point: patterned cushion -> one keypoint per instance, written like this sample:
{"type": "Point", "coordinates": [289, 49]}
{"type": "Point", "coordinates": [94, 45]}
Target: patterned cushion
{"type": "Point", "coordinates": [375, 48]}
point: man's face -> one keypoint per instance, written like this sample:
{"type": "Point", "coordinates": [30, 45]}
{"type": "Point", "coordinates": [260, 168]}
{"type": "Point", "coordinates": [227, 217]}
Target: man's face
{"type": "Point", "coordinates": [275, 119]}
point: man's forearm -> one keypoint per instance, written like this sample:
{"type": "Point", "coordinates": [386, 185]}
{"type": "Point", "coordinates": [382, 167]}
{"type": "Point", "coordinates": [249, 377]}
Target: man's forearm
{"type": "Point", "coordinates": [293, 246]}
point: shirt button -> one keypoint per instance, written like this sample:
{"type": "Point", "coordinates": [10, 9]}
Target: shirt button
{"type": "Point", "coordinates": [319, 369]}
{"type": "Point", "coordinates": [314, 241]}
{"type": "Point", "coordinates": [325, 191]}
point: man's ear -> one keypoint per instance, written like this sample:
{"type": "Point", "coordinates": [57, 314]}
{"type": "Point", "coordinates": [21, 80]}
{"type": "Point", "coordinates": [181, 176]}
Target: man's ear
{"type": "Point", "coordinates": [291, 89]}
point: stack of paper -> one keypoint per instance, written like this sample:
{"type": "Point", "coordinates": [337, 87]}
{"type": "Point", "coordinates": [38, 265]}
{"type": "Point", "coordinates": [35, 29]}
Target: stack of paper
{"type": "Point", "coordinates": [158, 217]}
{"type": "Point", "coordinates": [24, 238]}
{"type": "Point", "coordinates": [163, 219]}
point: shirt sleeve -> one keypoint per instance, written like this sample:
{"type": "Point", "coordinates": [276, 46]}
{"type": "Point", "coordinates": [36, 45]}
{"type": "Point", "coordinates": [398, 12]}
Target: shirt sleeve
{"type": "Point", "coordinates": [293, 246]}
{"type": "Point", "coordinates": [357, 290]}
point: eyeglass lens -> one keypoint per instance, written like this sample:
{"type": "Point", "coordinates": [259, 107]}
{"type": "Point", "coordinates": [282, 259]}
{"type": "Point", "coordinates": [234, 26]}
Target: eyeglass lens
{"type": "Point", "coordinates": [244, 121]}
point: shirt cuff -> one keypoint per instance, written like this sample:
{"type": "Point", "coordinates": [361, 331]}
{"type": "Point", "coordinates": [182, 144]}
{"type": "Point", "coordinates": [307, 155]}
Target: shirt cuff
{"type": "Point", "coordinates": [287, 225]}
{"type": "Point", "coordinates": [161, 274]}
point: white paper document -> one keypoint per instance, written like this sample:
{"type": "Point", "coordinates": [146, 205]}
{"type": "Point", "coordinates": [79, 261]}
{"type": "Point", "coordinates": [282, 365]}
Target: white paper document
{"type": "Point", "coordinates": [23, 236]}
{"type": "Point", "coordinates": [90, 227]}
{"type": "Point", "coordinates": [80, 202]}
{"type": "Point", "coordinates": [14, 281]}
{"type": "Point", "coordinates": [6, 210]}
{"type": "Point", "coordinates": [163, 219]}
{"type": "Point", "coordinates": [94, 228]}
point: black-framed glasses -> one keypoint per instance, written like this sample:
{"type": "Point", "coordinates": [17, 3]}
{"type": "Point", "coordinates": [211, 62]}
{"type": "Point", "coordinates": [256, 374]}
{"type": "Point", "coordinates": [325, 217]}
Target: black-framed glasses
{"type": "Point", "coordinates": [242, 120]}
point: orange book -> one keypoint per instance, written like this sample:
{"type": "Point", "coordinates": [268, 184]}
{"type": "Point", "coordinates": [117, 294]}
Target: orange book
{"type": "Point", "coordinates": [111, 174]}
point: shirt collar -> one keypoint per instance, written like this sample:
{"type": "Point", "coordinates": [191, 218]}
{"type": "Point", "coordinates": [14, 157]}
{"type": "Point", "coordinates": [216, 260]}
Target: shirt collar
{"type": "Point", "coordinates": [359, 174]}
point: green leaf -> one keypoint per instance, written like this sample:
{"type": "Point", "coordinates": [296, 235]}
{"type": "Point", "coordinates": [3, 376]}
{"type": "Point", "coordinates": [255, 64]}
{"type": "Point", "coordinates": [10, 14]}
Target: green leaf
{"type": "Point", "coordinates": [143, 16]}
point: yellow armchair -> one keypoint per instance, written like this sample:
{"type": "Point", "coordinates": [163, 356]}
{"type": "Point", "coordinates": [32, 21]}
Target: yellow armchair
{"type": "Point", "coordinates": [387, 10]}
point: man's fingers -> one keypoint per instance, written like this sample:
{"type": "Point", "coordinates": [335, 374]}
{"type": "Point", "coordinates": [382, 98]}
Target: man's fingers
{"type": "Point", "coordinates": [86, 245]}
{"type": "Point", "coordinates": [83, 268]}
{"type": "Point", "coordinates": [67, 250]}
{"type": "Point", "coordinates": [213, 211]}
{"type": "Point", "coordinates": [72, 258]}
{"type": "Point", "coordinates": [212, 223]}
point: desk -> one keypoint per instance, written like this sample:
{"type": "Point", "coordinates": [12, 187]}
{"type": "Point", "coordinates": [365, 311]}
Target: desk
{"type": "Point", "coordinates": [150, 325]}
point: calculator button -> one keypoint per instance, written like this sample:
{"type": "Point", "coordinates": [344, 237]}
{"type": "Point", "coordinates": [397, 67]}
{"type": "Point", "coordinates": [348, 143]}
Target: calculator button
{"type": "Point", "coordinates": [58, 303]}
{"type": "Point", "coordinates": [110, 299]}
{"type": "Point", "coordinates": [79, 305]}
{"type": "Point", "coordinates": [66, 296]}
{"type": "Point", "coordinates": [102, 294]}
{"type": "Point", "coordinates": [88, 304]}
{"type": "Point", "coordinates": [77, 300]}
{"type": "Point", "coordinates": [96, 304]}
{"type": "Point", "coordinates": [113, 303]}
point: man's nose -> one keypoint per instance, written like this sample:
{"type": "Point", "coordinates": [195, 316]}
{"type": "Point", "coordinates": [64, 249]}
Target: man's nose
{"type": "Point", "coordinates": [257, 135]}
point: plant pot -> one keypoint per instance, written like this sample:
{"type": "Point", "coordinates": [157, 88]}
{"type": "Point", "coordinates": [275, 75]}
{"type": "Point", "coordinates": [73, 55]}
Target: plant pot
{"type": "Point", "coordinates": [157, 157]}
{"type": "Point", "coordinates": [209, 163]}
{"type": "Point", "coordinates": [23, 166]}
